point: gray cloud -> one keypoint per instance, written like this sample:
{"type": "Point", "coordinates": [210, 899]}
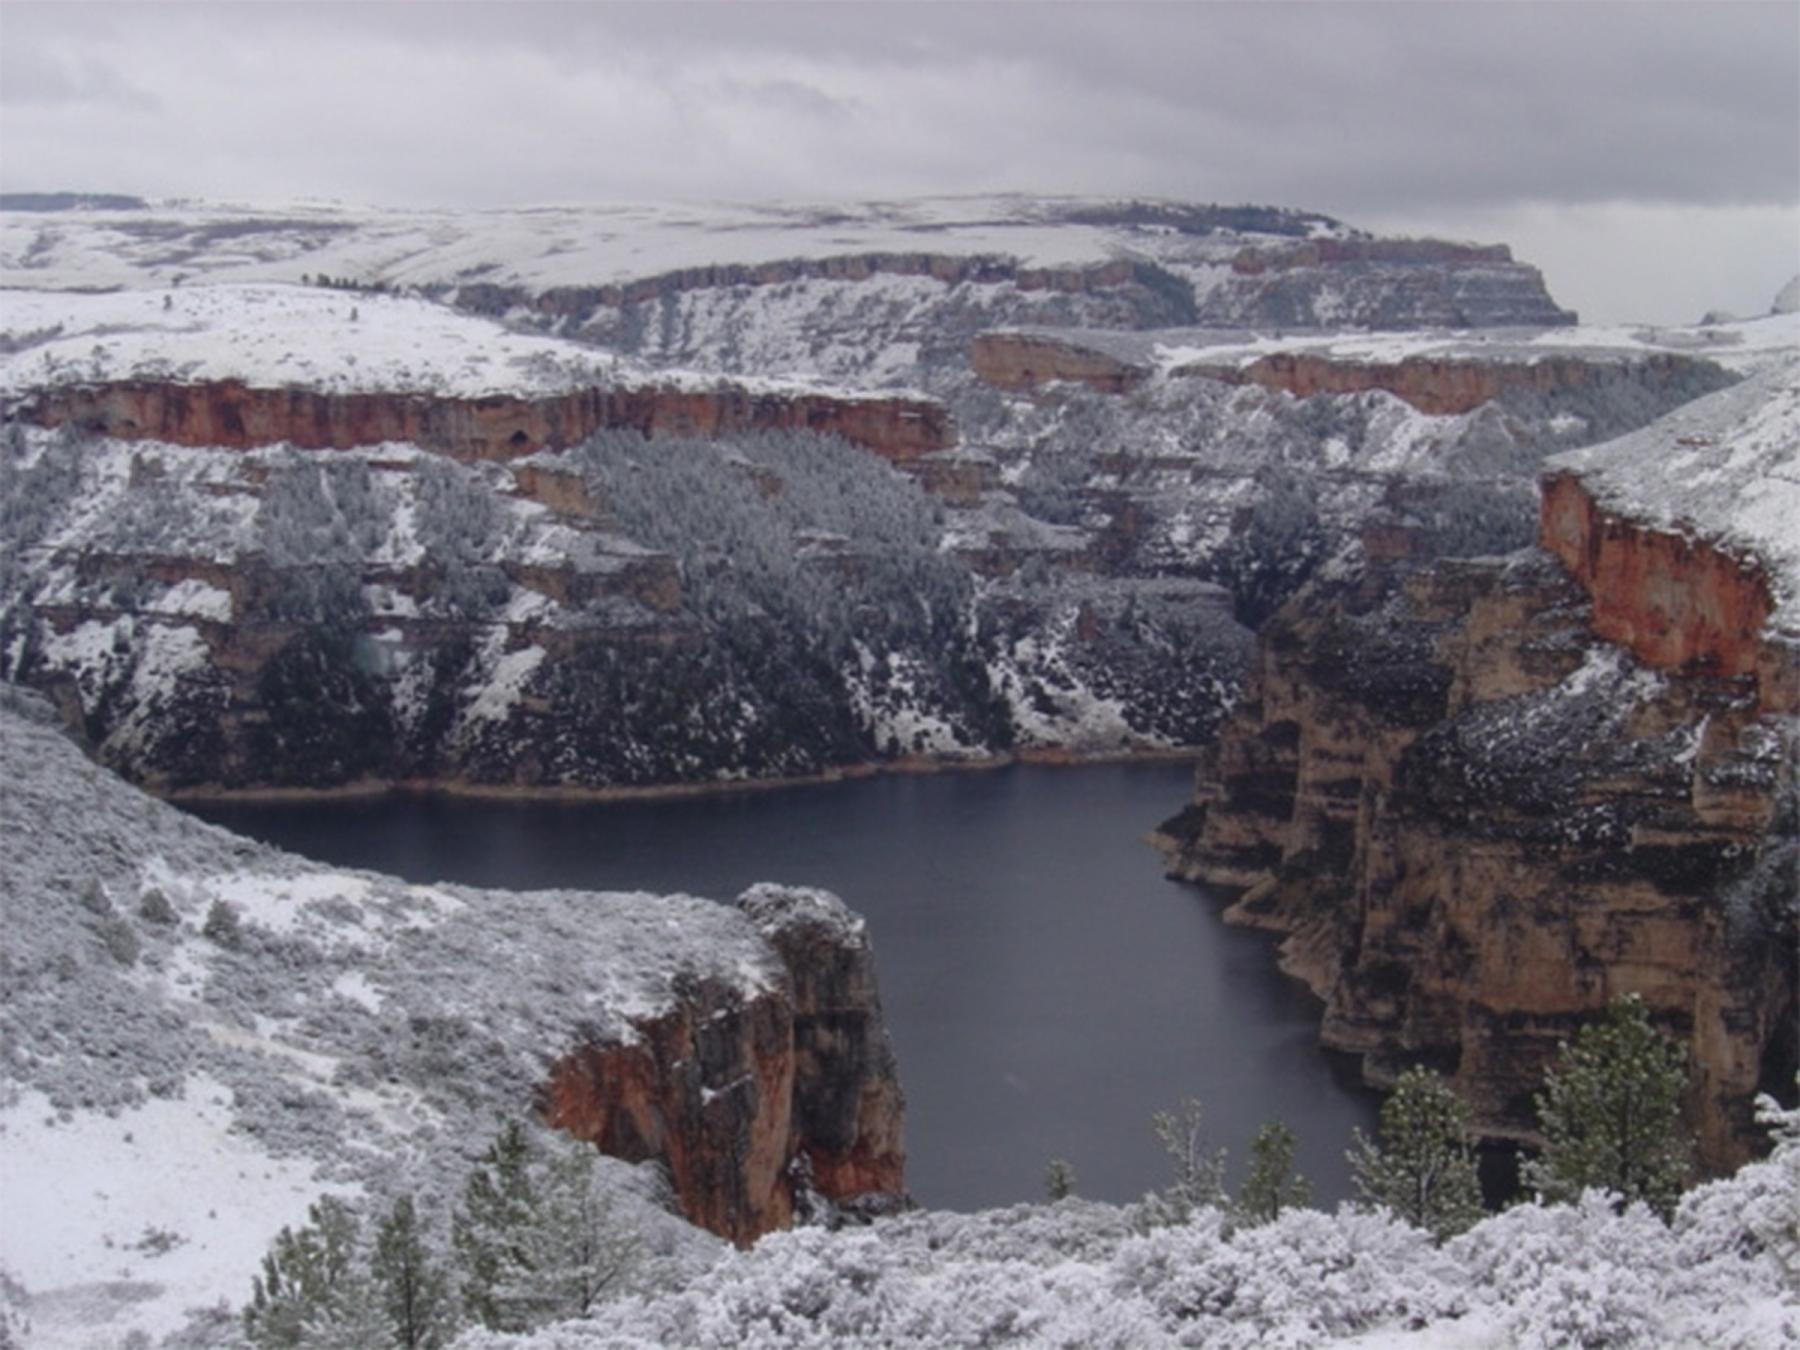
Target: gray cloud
{"type": "Point", "coordinates": [1433, 111]}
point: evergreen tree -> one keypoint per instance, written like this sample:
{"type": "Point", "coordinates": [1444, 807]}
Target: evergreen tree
{"type": "Point", "coordinates": [1611, 1113]}
{"type": "Point", "coordinates": [1271, 1185]}
{"type": "Point", "coordinates": [535, 1235]}
{"type": "Point", "coordinates": [1059, 1179]}
{"type": "Point", "coordinates": [309, 1281]}
{"type": "Point", "coordinates": [487, 1231]}
{"type": "Point", "coordinates": [1423, 1169]}
{"type": "Point", "coordinates": [1199, 1173]}
{"type": "Point", "coordinates": [577, 1254]}
{"type": "Point", "coordinates": [413, 1290]}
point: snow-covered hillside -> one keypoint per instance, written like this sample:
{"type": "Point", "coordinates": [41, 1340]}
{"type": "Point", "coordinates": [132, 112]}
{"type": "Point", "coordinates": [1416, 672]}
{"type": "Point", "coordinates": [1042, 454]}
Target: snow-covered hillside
{"type": "Point", "coordinates": [202, 1034]}
{"type": "Point", "coordinates": [178, 1085]}
{"type": "Point", "coordinates": [580, 245]}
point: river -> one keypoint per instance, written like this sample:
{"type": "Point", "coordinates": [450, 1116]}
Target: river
{"type": "Point", "coordinates": [1046, 987]}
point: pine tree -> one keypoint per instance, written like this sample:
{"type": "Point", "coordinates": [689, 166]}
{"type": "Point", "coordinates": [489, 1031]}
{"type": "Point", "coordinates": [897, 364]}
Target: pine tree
{"type": "Point", "coordinates": [1423, 1169]}
{"type": "Point", "coordinates": [1271, 1185]}
{"type": "Point", "coordinates": [1059, 1180]}
{"type": "Point", "coordinates": [412, 1289]}
{"type": "Point", "coordinates": [1199, 1173]}
{"type": "Point", "coordinates": [578, 1255]}
{"type": "Point", "coordinates": [1611, 1113]}
{"type": "Point", "coordinates": [535, 1235]}
{"type": "Point", "coordinates": [487, 1231]}
{"type": "Point", "coordinates": [308, 1279]}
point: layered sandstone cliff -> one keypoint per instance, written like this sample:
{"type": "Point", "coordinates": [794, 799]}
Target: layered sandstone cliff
{"type": "Point", "coordinates": [231, 414]}
{"type": "Point", "coordinates": [1473, 823]}
{"type": "Point", "coordinates": [1436, 383]}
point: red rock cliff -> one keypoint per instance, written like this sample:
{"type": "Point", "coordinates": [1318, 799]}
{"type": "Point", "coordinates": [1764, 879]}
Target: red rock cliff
{"type": "Point", "coordinates": [1432, 384]}
{"type": "Point", "coordinates": [1679, 603]}
{"type": "Point", "coordinates": [239, 416]}
{"type": "Point", "coordinates": [747, 1100]}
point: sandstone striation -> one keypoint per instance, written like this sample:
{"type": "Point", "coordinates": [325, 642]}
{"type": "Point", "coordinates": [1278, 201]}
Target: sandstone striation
{"type": "Point", "coordinates": [1025, 361]}
{"type": "Point", "coordinates": [233, 415]}
{"type": "Point", "coordinates": [1439, 386]}
{"type": "Point", "coordinates": [1473, 822]}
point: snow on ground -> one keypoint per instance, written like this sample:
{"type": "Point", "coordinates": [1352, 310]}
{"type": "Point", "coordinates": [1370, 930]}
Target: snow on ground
{"type": "Point", "coordinates": [136, 1217]}
{"type": "Point", "coordinates": [293, 336]}
{"type": "Point", "coordinates": [546, 246]}
{"type": "Point", "coordinates": [199, 1034]}
{"type": "Point", "coordinates": [1742, 345]}
{"type": "Point", "coordinates": [276, 336]}
{"type": "Point", "coordinates": [1725, 467]}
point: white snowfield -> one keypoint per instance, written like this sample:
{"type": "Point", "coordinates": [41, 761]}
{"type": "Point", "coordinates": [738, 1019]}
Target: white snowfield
{"type": "Point", "coordinates": [292, 336]}
{"type": "Point", "coordinates": [1724, 468]}
{"type": "Point", "coordinates": [548, 246]}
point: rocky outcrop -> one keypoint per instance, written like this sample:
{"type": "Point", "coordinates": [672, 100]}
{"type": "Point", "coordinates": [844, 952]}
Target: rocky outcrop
{"type": "Point", "coordinates": [232, 415]}
{"type": "Point", "coordinates": [1438, 385]}
{"type": "Point", "coordinates": [1473, 822]}
{"type": "Point", "coordinates": [1025, 361]}
{"type": "Point", "coordinates": [1381, 284]}
{"type": "Point", "coordinates": [1677, 601]}
{"type": "Point", "coordinates": [752, 1104]}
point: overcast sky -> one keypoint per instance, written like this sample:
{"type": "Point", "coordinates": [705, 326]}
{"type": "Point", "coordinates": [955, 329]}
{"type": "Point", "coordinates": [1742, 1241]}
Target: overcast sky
{"type": "Point", "coordinates": [1647, 156]}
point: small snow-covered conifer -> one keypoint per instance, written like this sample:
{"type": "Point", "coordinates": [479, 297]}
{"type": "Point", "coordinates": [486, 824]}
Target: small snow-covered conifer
{"type": "Point", "coordinates": [1423, 1168]}
{"type": "Point", "coordinates": [1611, 1113]}
{"type": "Point", "coordinates": [1271, 1185]}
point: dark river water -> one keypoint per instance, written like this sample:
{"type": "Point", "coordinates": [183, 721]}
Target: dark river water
{"type": "Point", "coordinates": [1047, 989]}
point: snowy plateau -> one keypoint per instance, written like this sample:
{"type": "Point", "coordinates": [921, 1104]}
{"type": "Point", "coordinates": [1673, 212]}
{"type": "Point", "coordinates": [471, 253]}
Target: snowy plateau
{"type": "Point", "coordinates": [304, 497]}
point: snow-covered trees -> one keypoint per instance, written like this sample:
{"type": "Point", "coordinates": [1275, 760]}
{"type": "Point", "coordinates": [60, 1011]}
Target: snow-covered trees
{"type": "Point", "coordinates": [536, 1239]}
{"type": "Point", "coordinates": [1199, 1181]}
{"type": "Point", "coordinates": [1271, 1185]}
{"type": "Point", "coordinates": [1423, 1167]}
{"type": "Point", "coordinates": [412, 1287]}
{"type": "Point", "coordinates": [1611, 1113]}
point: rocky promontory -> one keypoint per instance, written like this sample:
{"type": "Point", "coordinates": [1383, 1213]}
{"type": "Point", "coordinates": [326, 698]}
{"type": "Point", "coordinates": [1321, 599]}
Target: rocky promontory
{"type": "Point", "coordinates": [1480, 798]}
{"type": "Point", "coordinates": [368, 1030]}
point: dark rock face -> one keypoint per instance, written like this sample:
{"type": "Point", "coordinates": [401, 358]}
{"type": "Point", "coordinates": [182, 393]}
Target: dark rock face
{"type": "Point", "coordinates": [1474, 824]}
{"type": "Point", "coordinates": [746, 1101]}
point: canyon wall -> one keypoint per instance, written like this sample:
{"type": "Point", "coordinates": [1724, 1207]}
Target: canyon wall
{"type": "Point", "coordinates": [1440, 385]}
{"type": "Point", "coordinates": [1437, 385]}
{"type": "Point", "coordinates": [1676, 601]}
{"type": "Point", "coordinates": [1473, 822]}
{"type": "Point", "coordinates": [232, 415]}
{"type": "Point", "coordinates": [752, 1104]}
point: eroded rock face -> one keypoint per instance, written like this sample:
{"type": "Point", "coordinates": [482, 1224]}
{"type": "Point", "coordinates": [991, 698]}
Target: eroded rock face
{"type": "Point", "coordinates": [231, 415]}
{"type": "Point", "coordinates": [1439, 386]}
{"type": "Point", "coordinates": [731, 1094]}
{"type": "Point", "coordinates": [1677, 602]}
{"type": "Point", "coordinates": [1023, 361]}
{"type": "Point", "coordinates": [1474, 823]}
